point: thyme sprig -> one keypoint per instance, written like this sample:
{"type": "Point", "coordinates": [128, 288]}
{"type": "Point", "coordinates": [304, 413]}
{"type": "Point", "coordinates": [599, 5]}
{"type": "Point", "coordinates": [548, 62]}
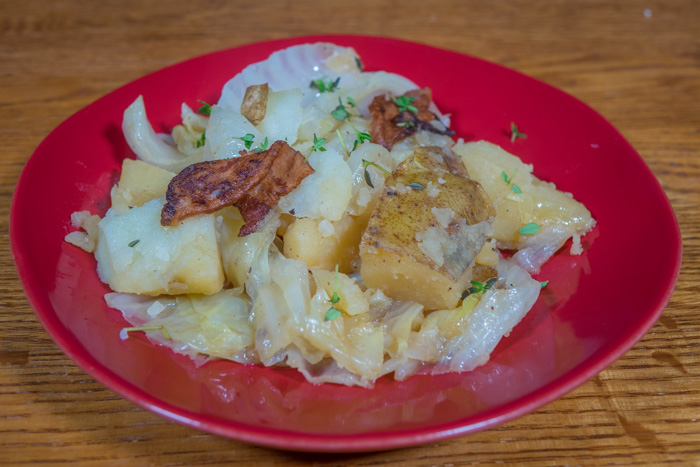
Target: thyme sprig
{"type": "Point", "coordinates": [247, 139]}
{"type": "Point", "coordinates": [404, 104]}
{"type": "Point", "coordinates": [333, 312]}
{"type": "Point", "coordinates": [478, 287]}
{"type": "Point", "coordinates": [325, 86]}
{"type": "Point", "coordinates": [262, 147]}
{"type": "Point", "coordinates": [366, 164]}
{"type": "Point", "coordinates": [509, 181]}
{"type": "Point", "coordinates": [317, 146]}
{"type": "Point", "coordinates": [515, 133]}
{"type": "Point", "coordinates": [205, 109]}
{"type": "Point", "coordinates": [200, 142]}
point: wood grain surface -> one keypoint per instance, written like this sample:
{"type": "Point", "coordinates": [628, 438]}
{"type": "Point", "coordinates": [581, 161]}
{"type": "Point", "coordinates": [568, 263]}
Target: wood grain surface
{"type": "Point", "coordinates": [636, 62]}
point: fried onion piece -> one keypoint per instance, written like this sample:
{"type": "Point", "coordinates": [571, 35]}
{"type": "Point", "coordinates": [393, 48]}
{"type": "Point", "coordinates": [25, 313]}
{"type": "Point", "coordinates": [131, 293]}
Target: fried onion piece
{"type": "Point", "coordinates": [253, 182]}
{"type": "Point", "coordinates": [389, 125]}
{"type": "Point", "coordinates": [254, 104]}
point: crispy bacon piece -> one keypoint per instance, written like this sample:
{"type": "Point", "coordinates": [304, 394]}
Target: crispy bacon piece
{"type": "Point", "coordinates": [390, 126]}
{"type": "Point", "coordinates": [253, 182]}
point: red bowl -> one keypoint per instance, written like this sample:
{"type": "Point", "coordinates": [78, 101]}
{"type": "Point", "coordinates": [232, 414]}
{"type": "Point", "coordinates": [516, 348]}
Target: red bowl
{"type": "Point", "coordinates": [591, 312]}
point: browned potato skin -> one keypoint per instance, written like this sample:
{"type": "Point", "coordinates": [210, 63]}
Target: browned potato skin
{"type": "Point", "coordinates": [391, 257]}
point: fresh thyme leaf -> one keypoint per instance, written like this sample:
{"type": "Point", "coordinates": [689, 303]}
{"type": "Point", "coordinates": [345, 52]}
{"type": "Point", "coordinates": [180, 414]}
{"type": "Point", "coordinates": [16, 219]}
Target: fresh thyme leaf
{"type": "Point", "coordinates": [325, 86]}
{"type": "Point", "coordinates": [515, 133]}
{"type": "Point", "coordinates": [363, 136]}
{"type": "Point", "coordinates": [544, 284]}
{"type": "Point", "coordinates": [165, 332]}
{"type": "Point", "coordinates": [351, 102]}
{"type": "Point", "coordinates": [318, 145]}
{"type": "Point", "coordinates": [247, 139]}
{"type": "Point", "coordinates": [263, 145]}
{"type": "Point", "coordinates": [509, 181]}
{"type": "Point", "coordinates": [335, 298]}
{"type": "Point", "coordinates": [360, 65]}
{"type": "Point", "coordinates": [368, 179]}
{"type": "Point", "coordinates": [404, 104]}
{"type": "Point", "coordinates": [355, 144]}
{"type": "Point", "coordinates": [331, 314]}
{"type": "Point", "coordinates": [340, 112]}
{"type": "Point", "coordinates": [200, 142]}
{"type": "Point", "coordinates": [205, 109]}
{"type": "Point", "coordinates": [529, 229]}
{"type": "Point", "coordinates": [367, 163]}
{"type": "Point", "coordinates": [134, 243]}
{"type": "Point", "coordinates": [479, 287]}
{"type": "Point", "coordinates": [415, 186]}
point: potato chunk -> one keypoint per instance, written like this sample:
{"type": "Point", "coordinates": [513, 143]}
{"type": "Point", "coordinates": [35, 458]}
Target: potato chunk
{"type": "Point", "coordinates": [426, 231]}
{"type": "Point", "coordinates": [139, 183]}
{"type": "Point", "coordinates": [558, 214]}
{"type": "Point", "coordinates": [135, 254]}
{"type": "Point", "coordinates": [322, 244]}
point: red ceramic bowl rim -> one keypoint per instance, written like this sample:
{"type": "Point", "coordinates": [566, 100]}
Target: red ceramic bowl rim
{"type": "Point", "coordinates": [291, 440]}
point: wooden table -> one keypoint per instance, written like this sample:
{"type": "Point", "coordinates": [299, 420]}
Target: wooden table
{"type": "Point", "coordinates": [636, 62]}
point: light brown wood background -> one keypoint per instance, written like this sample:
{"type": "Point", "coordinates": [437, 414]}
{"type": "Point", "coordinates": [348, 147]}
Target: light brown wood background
{"type": "Point", "coordinates": [641, 71]}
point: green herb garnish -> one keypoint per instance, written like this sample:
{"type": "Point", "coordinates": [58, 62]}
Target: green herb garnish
{"type": "Point", "coordinates": [529, 229]}
{"type": "Point", "coordinates": [366, 165]}
{"type": "Point", "coordinates": [318, 146]}
{"type": "Point", "coordinates": [415, 186]}
{"type": "Point", "coordinates": [205, 109]}
{"type": "Point", "coordinates": [342, 143]}
{"type": "Point", "coordinates": [165, 332]}
{"type": "Point", "coordinates": [341, 113]}
{"type": "Point", "coordinates": [263, 145]}
{"type": "Point", "coordinates": [200, 142]}
{"type": "Point", "coordinates": [333, 312]}
{"type": "Point", "coordinates": [134, 243]}
{"type": "Point", "coordinates": [479, 287]}
{"type": "Point", "coordinates": [515, 133]}
{"type": "Point", "coordinates": [351, 101]}
{"type": "Point", "coordinates": [247, 139]}
{"type": "Point", "coordinates": [544, 284]}
{"type": "Point", "coordinates": [360, 65]}
{"type": "Point", "coordinates": [408, 124]}
{"type": "Point", "coordinates": [362, 136]}
{"type": "Point", "coordinates": [325, 86]}
{"type": "Point", "coordinates": [509, 181]}
{"type": "Point", "coordinates": [404, 104]}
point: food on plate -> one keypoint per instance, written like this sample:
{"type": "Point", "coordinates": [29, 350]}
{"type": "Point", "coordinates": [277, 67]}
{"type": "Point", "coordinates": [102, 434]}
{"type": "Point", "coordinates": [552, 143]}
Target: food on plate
{"type": "Point", "coordinates": [321, 217]}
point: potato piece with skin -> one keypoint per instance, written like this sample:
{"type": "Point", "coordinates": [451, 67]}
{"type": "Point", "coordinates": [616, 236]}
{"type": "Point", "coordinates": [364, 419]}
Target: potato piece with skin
{"type": "Point", "coordinates": [139, 183]}
{"type": "Point", "coordinates": [135, 254]}
{"type": "Point", "coordinates": [420, 243]}
{"type": "Point", "coordinates": [304, 240]}
{"type": "Point", "coordinates": [538, 202]}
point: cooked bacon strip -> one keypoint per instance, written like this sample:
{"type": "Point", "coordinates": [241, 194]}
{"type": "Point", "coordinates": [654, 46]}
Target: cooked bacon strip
{"type": "Point", "coordinates": [390, 126]}
{"type": "Point", "coordinates": [253, 182]}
